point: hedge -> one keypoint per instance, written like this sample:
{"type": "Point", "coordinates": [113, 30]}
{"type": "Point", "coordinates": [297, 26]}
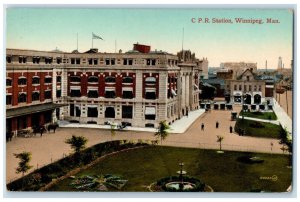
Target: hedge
{"type": "Point", "coordinates": [44, 175]}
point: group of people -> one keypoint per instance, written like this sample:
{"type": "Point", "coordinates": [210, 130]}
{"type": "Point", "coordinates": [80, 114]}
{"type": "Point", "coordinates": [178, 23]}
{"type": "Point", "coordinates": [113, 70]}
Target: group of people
{"type": "Point", "coordinates": [217, 126]}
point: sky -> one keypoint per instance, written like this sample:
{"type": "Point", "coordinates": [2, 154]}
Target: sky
{"type": "Point", "coordinates": [51, 28]}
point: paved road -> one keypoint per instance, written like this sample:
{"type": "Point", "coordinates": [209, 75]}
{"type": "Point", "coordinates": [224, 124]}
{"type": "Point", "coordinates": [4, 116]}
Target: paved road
{"type": "Point", "coordinates": [51, 146]}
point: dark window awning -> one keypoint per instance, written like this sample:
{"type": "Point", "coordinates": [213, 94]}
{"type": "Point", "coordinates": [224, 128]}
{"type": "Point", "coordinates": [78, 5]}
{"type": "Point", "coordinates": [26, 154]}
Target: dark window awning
{"type": "Point", "coordinates": [10, 113]}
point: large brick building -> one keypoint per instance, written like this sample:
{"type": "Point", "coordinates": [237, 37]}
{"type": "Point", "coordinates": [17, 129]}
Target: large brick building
{"type": "Point", "coordinates": [140, 87]}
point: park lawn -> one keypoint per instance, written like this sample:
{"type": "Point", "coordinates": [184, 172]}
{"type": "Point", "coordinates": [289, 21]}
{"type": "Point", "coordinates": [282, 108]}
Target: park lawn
{"type": "Point", "coordinates": [260, 115]}
{"type": "Point", "coordinates": [222, 172]}
{"type": "Point", "coordinates": [269, 130]}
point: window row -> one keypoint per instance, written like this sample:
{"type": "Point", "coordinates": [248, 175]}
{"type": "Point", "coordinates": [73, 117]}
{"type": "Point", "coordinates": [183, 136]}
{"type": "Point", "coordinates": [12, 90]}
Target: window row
{"type": "Point", "coordinates": [248, 87]}
{"type": "Point", "coordinates": [95, 79]}
{"type": "Point", "coordinates": [35, 96]}
{"type": "Point", "coordinates": [92, 111]}
{"type": "Point", "coordinates": [35, 80]}
{"type": "Point", "coordinates": [109, 93]}
{"type": "Point", "coordinates": [78, 61]}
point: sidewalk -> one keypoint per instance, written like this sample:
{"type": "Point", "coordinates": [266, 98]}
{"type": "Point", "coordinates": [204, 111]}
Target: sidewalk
{"type": "Point", "coordinates": [283, 118]}
{"type": "Point", "coordinates": [261, 120]}
{"type": "Point", "coordinates": [179, 126]}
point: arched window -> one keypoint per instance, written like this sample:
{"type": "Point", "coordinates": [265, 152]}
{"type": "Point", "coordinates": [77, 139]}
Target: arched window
{"type": "Point", "coordinates": [35, 80]}
{"type": "Point", "coordinates": [35, 96]}
{"type": "Point", "coordinates": [150, 80]}
{"type": "Point", "coordinates": [58, 79]}
{"type": "Point", "coordinates": [48, 79]}
{"type": "Point", "coordinates": [8, 82]}
{"type": "Point", "coordinates": [22, 97]}
{"type": "Point", "coordinates": [110, 79]}
{"type": "Point", "coordinates": [22, 81]}
{"type": "Point", "coordinates": [127, 79]}
{"type": "Point", "coordinates": [257, 99]}
{"type": "Point", "coordinates": [93, 79]}
{"type": "Point", "coordinates": [75, 79]}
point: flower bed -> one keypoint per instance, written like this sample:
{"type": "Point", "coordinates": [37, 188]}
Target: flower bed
{"type": "Point", "coordinates": [41, 177]}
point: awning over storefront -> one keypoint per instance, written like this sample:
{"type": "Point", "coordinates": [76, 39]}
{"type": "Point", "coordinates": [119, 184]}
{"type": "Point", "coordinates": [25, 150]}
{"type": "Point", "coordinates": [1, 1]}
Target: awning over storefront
{"type": "Point", "coordinates": [10, 113]}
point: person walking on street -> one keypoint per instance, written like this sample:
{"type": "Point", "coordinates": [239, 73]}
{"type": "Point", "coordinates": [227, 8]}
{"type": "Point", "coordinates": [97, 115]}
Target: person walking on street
{"type": "Point", "coordinates": [217, 124]}
{"type": "Point", "coordinates": [230, 129]}
{"type": "Point", "coordinates": [202, 126]}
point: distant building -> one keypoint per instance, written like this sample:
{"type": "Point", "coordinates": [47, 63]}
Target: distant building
{"type": "Point", "coordinates": [238, 67]}
{"type": "Point", "coordinates": [246, 85]}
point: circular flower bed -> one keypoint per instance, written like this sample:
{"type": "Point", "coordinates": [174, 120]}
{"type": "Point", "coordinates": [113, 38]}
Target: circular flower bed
{"type": "Point", "coordinates": [173, 184]}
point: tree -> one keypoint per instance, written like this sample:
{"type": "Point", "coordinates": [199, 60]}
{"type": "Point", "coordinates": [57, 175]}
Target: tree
{"type": "Point", "coordinates": [24, 166]}
{"type": "Point", "coordinates": [77, 143]}
{"type": "Point", "coordinates": [220, 139]}
{"type": "Point", "coordinates": [162, 131]}
{"type": "Point", "coordinates": [24, 158]}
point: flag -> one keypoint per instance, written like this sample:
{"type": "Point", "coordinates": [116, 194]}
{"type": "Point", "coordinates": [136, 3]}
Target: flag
{"type": "Point", "coordinates": [96, 37]}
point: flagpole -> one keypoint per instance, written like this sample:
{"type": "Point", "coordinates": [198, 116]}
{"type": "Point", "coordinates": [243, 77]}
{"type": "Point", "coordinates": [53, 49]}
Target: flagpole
{"type": "Point", "coordinates": [77, 41]}
{"type": "Point", "coordinates": [92, 41]}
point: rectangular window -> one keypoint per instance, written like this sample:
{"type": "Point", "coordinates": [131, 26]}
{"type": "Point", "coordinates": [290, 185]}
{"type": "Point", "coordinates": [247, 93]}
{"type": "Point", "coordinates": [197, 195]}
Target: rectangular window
{"type": "Point", "coordinates": [240, 87]}
{"type": "Point", "coordinates": [127, 112]}
{"type": "Point", "coordinates": [127, 94]}
{"type": "Point", "coordinates": [73, 61]}
{"type": "Point", "coordinates": [125, 62]}
{"type": "Point", "coordinates": [259, 88]}
{"type": "Point", "coordinates": [113, 61]}
{"type": "Point", "coordinates": [255, 88]}
{"type": "Point", "coordinates": [92, 112]}
{"type": "Point", "coordinates": [8, 82]}
{"type": "Point", "coordinates": [8, 59]}
{"type": "Point", "coordinates": [90, 61]}
{"type": "Point", "coordinates": [107, 61]}
{"type": "Point", "coordinates": [245, 88]}
{"type": "Point", "coordinates": [153, 62]}
{"type": "Point", "coordinates": [93, 93]}
{"type": "Point", "coordinates": [77, 111]}
{"type": "Point", "coordinates": [35, 60]}
{"type": "Point", "coordinates": [150, 113]}
{"type": "Point", "coordinates": [95, 61]}
{"type": "Point", "coordinates": [77, 61]}
{"type": "Point", "coordinates": [75, 93]}
{"type": "Point", "coordinates": [48, 94]}
{"type": "Point", "coordinates": [110, 94]}
{"type": "Point", "coordinates": [48, 60]}
{"type": "Point", "coordinates": [58, 93]}
{"type": "Point", "coordinates": [71, 109]}
{"type": "Point", "coordinates": [58, 60]}
{"type": "Point", "coordinates": [150, 95]}
{"type": "Point", "coordinates": [250, 88]}
{"type": "Point", "coordinates": [8, 99]}
{"type": "Point", "coordinates": [235, 88]}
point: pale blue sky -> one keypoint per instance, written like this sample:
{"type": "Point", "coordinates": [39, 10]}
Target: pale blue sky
{"type": "Point", "coordinates": [48, 28]}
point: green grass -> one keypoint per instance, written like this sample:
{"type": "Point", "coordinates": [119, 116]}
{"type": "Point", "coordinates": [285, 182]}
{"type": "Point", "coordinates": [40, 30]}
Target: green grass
{"type": "Point", "coordinates": [260, 115]}
{"type": "Point", "coordinates": [269, 130]}
{"type": "Point", "coordinates": [220, 171]}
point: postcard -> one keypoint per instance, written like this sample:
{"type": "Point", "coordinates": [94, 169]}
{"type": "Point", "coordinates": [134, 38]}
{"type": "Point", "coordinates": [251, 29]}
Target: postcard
{"type": "Point", "coordinates": [149, 99]}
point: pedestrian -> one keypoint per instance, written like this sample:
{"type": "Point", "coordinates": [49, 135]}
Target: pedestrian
{"type": "Point", "coordinates": [230, 129]}
{"type": "Point", "coordinates": [202, 126]}
{"type": "Point", "coordinates": [217, 124]}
